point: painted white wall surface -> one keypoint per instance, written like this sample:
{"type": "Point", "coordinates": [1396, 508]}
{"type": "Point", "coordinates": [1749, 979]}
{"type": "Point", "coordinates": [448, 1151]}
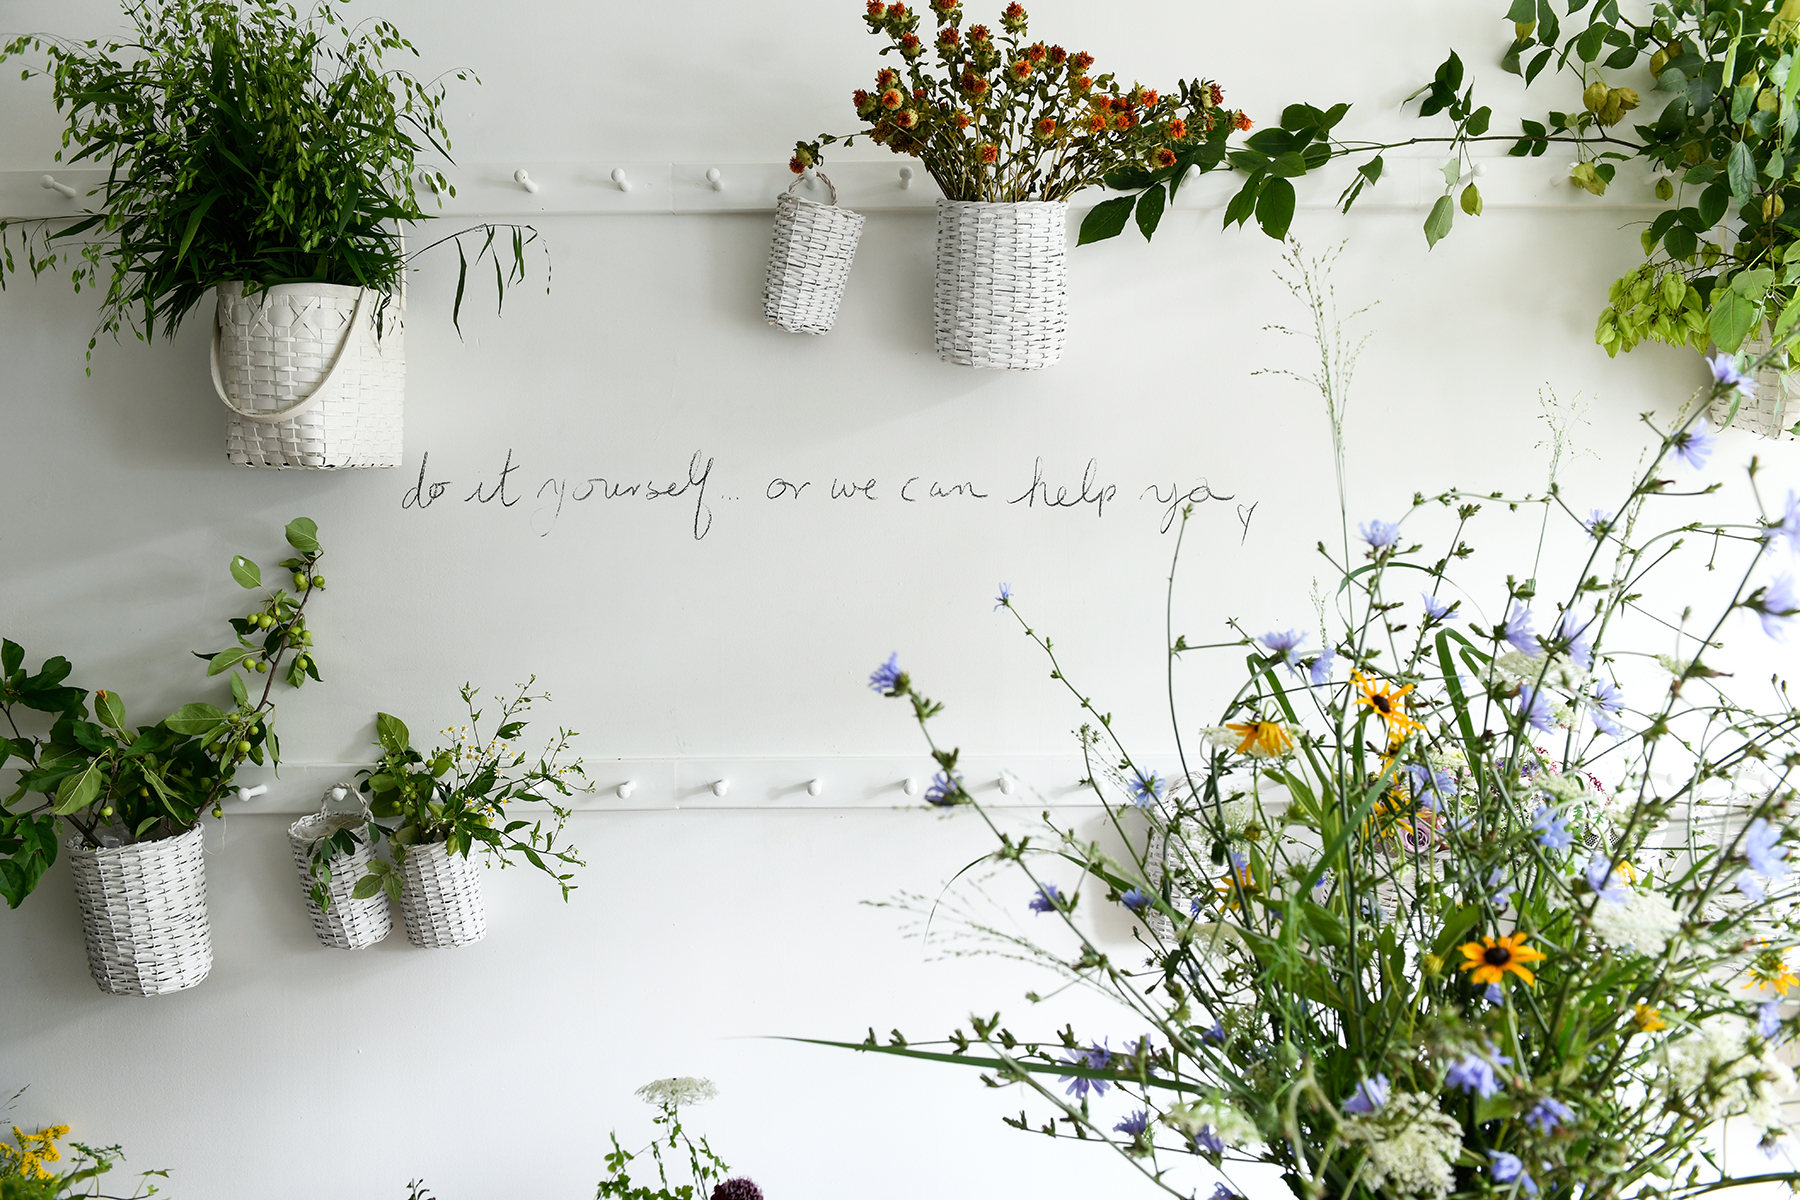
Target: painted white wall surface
{"type": "Point", "coordinates": [296, 1071]}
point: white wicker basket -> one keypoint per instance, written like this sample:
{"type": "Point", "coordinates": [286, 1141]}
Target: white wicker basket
{"type": "Point", "coordinates": [440, 898]}
{"type": "Point", "coordinates": [1766, 411]}
{"type": "Point", "coordinates": [309, 380]}
{"type": "Point", "coordinates": [1001, 295]}
{"type": "Point", "coordinates": [143, 909]}
{"type": "Point", "coordinates": [809, 260]}
{"type": "Point", "coordinates": [349, 923]}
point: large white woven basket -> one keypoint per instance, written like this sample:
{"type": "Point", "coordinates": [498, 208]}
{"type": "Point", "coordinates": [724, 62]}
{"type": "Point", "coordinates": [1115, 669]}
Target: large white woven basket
{"type": "Point", "coordinates": [1766, 411]}
{"type": "Point", "coordinates": [809, 260]}
{"type": "Point", "coordinates": [308, 379]}
{"type": "Point", "coordinates": [440, 898]}
{"type": "Point", "coordinates": [143, 909]}
{"type": "Point", "coordinates": [1001, 296]}
{"type": "Point", "coordinates": [349, 923]}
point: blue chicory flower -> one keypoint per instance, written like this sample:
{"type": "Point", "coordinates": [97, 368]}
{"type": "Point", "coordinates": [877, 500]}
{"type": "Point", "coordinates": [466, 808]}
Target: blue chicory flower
{"type": "Point", "coordinates": [1763, 848]}
{"type": "Point", "coordinates": [1534, 706]}
{"type": "Point", "coordinates": [1518, 631]}
{"type": "Point", "coordinates": [1725, 370]}
{"type": "Point", "coordinates": [1598, 524]}
{"type": "Point", "coordinates": [1768, 1019]}
{"type": "Point", "coordinates": [1787, 528]}
{"type": "Point", "coordinates": [1607, 701]}
{"type": "Point", "coordinates": [1506, 1168]}
{"type": "Point", "coordinates": [1135, 900]}
{"type": "Point", "coordinates": [1319, 672]}
{"type": "Point", "coordinates": [1694, 445]}
{"type": "Point", "coordinates": [1751, 887]}
{"type": "Point", "coordinates": [1493, 994]}
{"type": "Point", "coordinates": [943, 791]}
{"type": "Point", "coordinates": [1370, 1095]}
{"type": "Point", "coordinates": [886, 677]}
{"type": "Point", "coordinates": [1436, 609]}
{"type": "Point", "coordinates": [1569, 632]}
{"type": "Point", "coordinates": [1134, 1124]}
{"type": "Point", "coordinates": [1095, 1058]}
{"type": "Point", "coordinates": [1221, 1192]}
{"type": "Point", "coordinates": [1215, 1034]}
{"type": "Point", "coordinates": [1046, 899]}
{"type": "Point", "coordinates": [1004, 599]}
{"type": "Point", "coordinates": [1146, 788]}
{"type": "Point", "coordinates": [1427, 781]}
{"type": "Point", "coordinates": [1497, 885]}
{"type": "Point", "coordinates": [1206, 1140]}
{"type": "Point", "coordinates": [1475, 1073]}
{"type": "Point", "coordinates": [1552, 833]}
{"type": "Point", "coordinates": [1605, 879]}
{"type": "Point", "coordinates": [1776, 605]}
{"type": "Point", "coordinates": [1194, 907]}
{"type": "Point", "coordinates": [1381, 535]}
{"type": "Point", "coordinates": [1547, 1114]}
{"type": "Point", "coordinates": [1283, 644]}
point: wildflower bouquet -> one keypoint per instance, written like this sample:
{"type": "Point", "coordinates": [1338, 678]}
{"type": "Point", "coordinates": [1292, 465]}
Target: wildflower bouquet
{"type": "Point", "coordinates": [1457, 901]}
{"type": "Point", "coordinates": [118, 785]}
{"type": "Point", "coordinates": [24, 1174]}
{"type": "Point", "coordinates": [458, 797]}
{"type": "Point", "coordinates": [1002, 118]}
{"type": "Point", "coordinates": [668, 1095]}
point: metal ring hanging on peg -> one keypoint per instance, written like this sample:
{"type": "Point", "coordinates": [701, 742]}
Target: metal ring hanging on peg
{"type": "Point", "coordinates": [625, 789]}
{"type": "Point", "coordinates": [49, 183]}
{"type": "Point", "coordinates": [720, 787]}
{"type": "Point", "coordinates": [713, 180]}
{"type": "Point", "coordinates": [524, 180]}
{"type": "Point", "coordinates": [906, 178]}
{"type": "Point", "coordinates": [618, 178]}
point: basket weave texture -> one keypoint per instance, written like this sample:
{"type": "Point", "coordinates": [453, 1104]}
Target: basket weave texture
{"type": "Point", "coordinates": [1766, 411]}
{"type": "Point", "coordinates": [143, 909]}
{"type": "Point", "coordinates": [349, 924]}
{"type": "Point", "coordinates": [1001, 293]}
{"type": "Point", "coordinates": [440, 898]}
{"type": "Point", "coordinates": [809, 261]}
{"type": "Point", "coordinates": [310, 351]}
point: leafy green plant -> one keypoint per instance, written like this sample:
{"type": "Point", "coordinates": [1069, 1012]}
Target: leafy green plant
{"type": "Point", "coordinates": [25, 1175]}
{"type": "Point", "coordinates": [242, 143]}
{"type": "Point", "coordinates": [668, 1095]}
{"type": "Point", "coordinates": [458, 796]}
{"type": "Point", "coordinates": [115, 783]}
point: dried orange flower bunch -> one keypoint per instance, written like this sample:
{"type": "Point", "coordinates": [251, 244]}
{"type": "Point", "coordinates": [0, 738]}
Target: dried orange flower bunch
{"type": "Point", "coordinates": [1004, 119]}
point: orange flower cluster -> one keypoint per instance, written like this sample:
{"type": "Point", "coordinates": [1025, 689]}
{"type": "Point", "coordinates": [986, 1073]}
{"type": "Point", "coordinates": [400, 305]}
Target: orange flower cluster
{"type": "Point", "coordinates": [1003, 118]}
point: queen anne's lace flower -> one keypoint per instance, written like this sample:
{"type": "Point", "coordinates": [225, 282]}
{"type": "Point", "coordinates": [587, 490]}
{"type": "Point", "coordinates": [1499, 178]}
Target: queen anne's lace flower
{"type": "Point", "coordinates": [1644, 923]}
{"type": "Point", "coordinates": [1712, 1065]}
{"type": "Point", "coordinates": [1411, 1145]}
{"type": "Point", "coordinates": [676, 1091]}
{"type": "Point", "coordinates": [1226, 1123]}
{"type": "Point", "coordinates": [1558, 672]}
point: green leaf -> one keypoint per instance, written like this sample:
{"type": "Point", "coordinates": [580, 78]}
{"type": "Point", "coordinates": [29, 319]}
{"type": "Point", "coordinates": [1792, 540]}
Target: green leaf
{"type": "Point", "coordinates": [12, 656]}
{"type": "Point", "coordinates": [1243, 205]}
{"type": "Point", "coordinates": [238, 692]}
{"type": "Point", "coordinates": [1713, 203]}
{"type": "Point", "coordinates": [303, 535]}
{"type": "Point", "coordinates": [1522, 12]}
{"type": "Point", "coordinates": [79, 791]}
{"type": "Point", "coordinates": [1680, 242]}
{"type": "Point", "coordinates": [1733, 314]}
{"type": "Point", "coordinates": [365, 887]}
{"type": "Point", "coordinates": [247, 573]}
{"type": "Point", "coordinates": [109, 709]}
{"type": "Point", "coordinates": [224, 660]}
{"type": "Point", "coordinates": [1479, 121]}
{"type": "Point", "coordinates": [1740, 170]}
{"type": "Point", "coordinates": [1275, 207]}
{"type": "Point", "coordinates": [1150, 210]}
{"type": "Point", "coordinates": [1437, 225]}
{"type": "Point", "coordinates": [1587, 46]}
{"type": "Point", "coordinates": [392, 885]}
{"type": "Point", "coordinates": [1106, 220]}
{"type": "Point", "coordinates": [391, 731]}
{"type": "Point", "coordinates": [1290, 165]}
{"type": "Point", "coordinates": [194, 720]}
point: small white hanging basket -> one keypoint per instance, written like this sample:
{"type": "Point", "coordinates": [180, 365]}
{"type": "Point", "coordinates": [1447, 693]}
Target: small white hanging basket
{"type": "Point", "coordinates": [143, 909]}
{"type": "Point", "coordinates": [347, 923]}
{"type": "Point", "coordinates": [1001, 296]}
{"type": "Point", "coordinates": [314, 375]}
{"type": "Point", "coordinates": [1766, 411]}
{"type": "Point", "coordinates": [440, 898]}
{"type": "Point", "coordinates": [809, 261]}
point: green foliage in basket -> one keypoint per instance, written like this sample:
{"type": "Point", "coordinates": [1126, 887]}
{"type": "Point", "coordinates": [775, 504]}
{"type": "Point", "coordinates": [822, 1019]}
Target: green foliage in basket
{"type": "Point", "coordinates": [242, 143]}
{"type": "Point", "coordinates": [105, 777]}
{"type": "Point", "coordinates": [1407, 921]}
{"type": "Point", "coordinates": [459, 794]}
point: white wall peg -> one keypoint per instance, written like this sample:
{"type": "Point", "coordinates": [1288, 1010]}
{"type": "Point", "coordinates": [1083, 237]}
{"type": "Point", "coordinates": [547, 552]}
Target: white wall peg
{"type": "Point", "coordinates": [910, 787]}
{"type": "Point", "coordinates": [906, 178]}
{"type": "Point", "coordinates": [810, 177]}
{"type": "Point", "coordinates": [1480, 168]}
{"type": "Point", "coordinates": [49, 183]}
{"type": "Point", "coordinates": [261, 789]}
{"type": "Point", "coordinates": [625, 789]}
{"type": "Point", "coordinates": [721, 787]}
{"type": "Point", "coordinates": [1008, 785]}
{"type": "Point", "coordinates": [618, 177]}
{"type": "Point", "coordinates": [524, 180]}
{"type": "Point", "coordinates": [815, 786]}
{"type": "Point", "coordinates": [713, 179]}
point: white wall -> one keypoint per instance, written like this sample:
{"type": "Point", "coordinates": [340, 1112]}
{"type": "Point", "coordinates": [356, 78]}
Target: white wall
{"type": "Point", "coordinates": [297, 1071]}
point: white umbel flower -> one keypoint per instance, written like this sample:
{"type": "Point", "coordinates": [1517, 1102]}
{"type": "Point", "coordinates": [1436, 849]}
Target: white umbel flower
{"type": "Point", "coordinates": [1411, 1145]}
{"type": "Point", "coordinates": [1558, 672]}
{"type": "Point", "coordinates": [676, 1091]}
{"type": "Point", "coordinates": [1712, 1063]}
{"type": "Point", "coordinates": [1231, 1126]}
{"type": "Point", "coordinates": [1645, 923]}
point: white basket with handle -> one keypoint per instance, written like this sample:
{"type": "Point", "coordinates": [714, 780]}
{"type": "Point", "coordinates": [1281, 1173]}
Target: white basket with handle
{"type": "Point", "coordinates": [809, 261]}
{"type": "Point", "coordinates": [345, 923]}
{"type": "Point", "coordinates": [143, 909]}
{"type": "Point", "coordinates": [440, 898]}
{"type": "Point", "coordinates": [1001, 292]}
{"type": "Point", "coordinates": [314, 375]}
{"type": "Point", "coordinates": [1766, 410]}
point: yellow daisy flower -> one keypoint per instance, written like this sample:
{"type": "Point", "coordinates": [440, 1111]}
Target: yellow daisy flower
{"type": "Point", "coordinates": [1648, 1019]}
{"type": "Point", "coordinates": [1491, 958]}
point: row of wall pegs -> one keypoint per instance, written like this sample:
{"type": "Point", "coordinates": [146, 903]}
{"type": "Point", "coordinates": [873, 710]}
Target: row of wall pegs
{"type": "Point", "coordinates": [621, 180]}
{"type": "Point", "coordinates": [1007, 783]}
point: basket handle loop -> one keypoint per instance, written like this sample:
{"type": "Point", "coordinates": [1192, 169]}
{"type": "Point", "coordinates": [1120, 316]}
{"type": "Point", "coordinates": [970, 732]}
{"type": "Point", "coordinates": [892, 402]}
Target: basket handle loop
{"type": "Point", "coordinates": [822, 178]}
{"type": "Point", "coordinates": [320, 391]}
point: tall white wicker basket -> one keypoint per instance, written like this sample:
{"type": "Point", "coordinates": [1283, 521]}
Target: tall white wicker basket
{"type": "Point", "coordinates": [143, 909]}
{"type": "Point", "coordinates": [1767, 411]}
{"type": "Point", "coordinates": [440, 898]}
{"type": "Point", "coordinates": [309, 379]}
{"type": "Point", "coordinates": [1001, 296]}
{"type": "Point", "coordinates": [809, 260]}
{"type": "Point", "coordinates": [349, 923]}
